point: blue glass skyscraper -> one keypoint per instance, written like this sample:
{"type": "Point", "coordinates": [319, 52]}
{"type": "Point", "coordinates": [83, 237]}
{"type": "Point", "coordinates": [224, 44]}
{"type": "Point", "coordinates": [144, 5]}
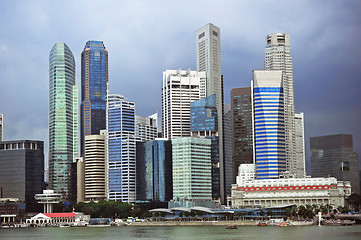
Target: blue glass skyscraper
{"type": "Point", "coordinates": [94, 88]}
{"type": "Point", "coordinates": [154, 171]}
{"type": "Point", "coordinates": [269, 123]}
{"type": "Point", "coordinates": [121, 155]}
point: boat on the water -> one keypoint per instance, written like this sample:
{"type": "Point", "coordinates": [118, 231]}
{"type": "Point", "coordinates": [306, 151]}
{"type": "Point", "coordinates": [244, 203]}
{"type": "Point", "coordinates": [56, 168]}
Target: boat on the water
{"type": "Point", "coordinates": [262, 224]}
{"type": "Point", "coordinates": [283, 224]}
{"type": "Point", "coordinates": [231, 227]}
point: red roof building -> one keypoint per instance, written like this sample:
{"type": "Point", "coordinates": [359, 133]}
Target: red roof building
{"type": "Point", "coordinates": [60, 215]}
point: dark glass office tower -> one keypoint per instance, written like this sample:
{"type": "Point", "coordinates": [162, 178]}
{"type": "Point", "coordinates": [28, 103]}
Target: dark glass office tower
{"type": "Point", "coordinates": [154, 171]}
{"type": "Point", "coordinates": [241, 106]}
{"type": "Point", "coordinates": [22, 171]}
{"type": "Point", "coordinates": [94, 88]}
{"type": "Point", "coordinates": [333, 156]}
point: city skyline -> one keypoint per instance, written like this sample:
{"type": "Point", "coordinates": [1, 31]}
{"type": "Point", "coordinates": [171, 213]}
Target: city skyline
{"type": "Point", "coordinates": [325, 77]}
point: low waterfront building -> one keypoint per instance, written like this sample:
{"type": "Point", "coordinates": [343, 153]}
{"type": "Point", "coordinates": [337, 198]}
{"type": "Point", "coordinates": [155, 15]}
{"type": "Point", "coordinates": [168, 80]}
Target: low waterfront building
{"type": "Point", "coordinates": [298, 191]}
{"type": "Point", "coordinates": [52, 218]}
{"type": "Point", "coordinates": [11, 210]}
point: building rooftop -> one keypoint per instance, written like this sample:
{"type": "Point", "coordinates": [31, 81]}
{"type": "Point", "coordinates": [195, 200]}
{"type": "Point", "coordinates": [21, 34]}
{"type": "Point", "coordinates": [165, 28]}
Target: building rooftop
{"type": "Point", "coordinates": [60, 215]}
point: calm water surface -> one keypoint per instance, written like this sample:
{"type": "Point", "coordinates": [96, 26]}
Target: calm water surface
{"type": "Point", "coordinates": [187, 232]}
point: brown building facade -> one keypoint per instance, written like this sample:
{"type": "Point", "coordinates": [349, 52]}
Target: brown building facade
{"type": "Point", "coordinates": [242, 143]}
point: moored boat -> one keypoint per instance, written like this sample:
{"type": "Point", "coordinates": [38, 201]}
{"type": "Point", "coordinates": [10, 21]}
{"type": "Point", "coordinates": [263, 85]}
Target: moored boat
{"type": "Point", "coordinates": [231, 227]}
{"type": "Point", "coordinates": [262, 224]}
{"type": "Point", "coordinates": [283, 224]}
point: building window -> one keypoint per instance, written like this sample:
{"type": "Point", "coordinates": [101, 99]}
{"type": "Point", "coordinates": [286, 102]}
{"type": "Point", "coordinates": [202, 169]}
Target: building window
{"type": "Point", "coordinates": [345, 166]}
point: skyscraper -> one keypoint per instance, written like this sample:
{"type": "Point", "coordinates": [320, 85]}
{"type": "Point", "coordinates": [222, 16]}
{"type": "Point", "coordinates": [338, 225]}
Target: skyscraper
{"type": "Point", "coordinates": [269, 126]}
{"type": "Point", "coordinates": [192, 184]}
{"type": "Point", "coordinates": [241, 105]}
{"type": "Point", "coordinates": [63, 112]}
{"type": "Point", "coordinates": [227, 150]}
{"type": "Point", "coordinates": [300, 159]}
{"type": "Point", "coordinates": [1, 126]}
{"type": "Point", "coordinates": [208, 59]}
{"type": "Point", "coordinates": [95, 166]}
{"type": "Point", "coordinates": [333, 156]}
{"type": "Point", "coordinates": [204, 124]}
{"type": "Point", "coordinates": [154, 171]}
{"type": "Point", "coordinates": [146, 128]}
{"type": "Point", "coordinates": [22, 171]}
{"type": "Point", "coordinates": [94, 89]}
{"type": "Point", "coordinates": [121, 155]}
{"type": "Point", "coordinates": [278, 58]}
{"type": "Point", "coordinates": [180, 88]}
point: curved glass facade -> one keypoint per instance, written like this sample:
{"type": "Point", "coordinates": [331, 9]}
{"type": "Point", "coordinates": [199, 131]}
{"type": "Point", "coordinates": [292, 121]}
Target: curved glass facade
{"type": "Point", "coordinates": [63, 117]}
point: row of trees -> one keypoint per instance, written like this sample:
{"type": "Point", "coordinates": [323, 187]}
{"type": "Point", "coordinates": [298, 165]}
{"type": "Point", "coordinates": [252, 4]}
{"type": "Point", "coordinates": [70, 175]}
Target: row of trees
{"type": "Point", "coordinates": [105, 209]}
{"type": "Point", "coordinates": [310, 211]}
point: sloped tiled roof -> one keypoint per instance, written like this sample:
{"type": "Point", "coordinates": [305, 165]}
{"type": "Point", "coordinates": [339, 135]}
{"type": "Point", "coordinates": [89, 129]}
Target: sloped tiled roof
{"type": "Point", "coordinates": [60, 215]}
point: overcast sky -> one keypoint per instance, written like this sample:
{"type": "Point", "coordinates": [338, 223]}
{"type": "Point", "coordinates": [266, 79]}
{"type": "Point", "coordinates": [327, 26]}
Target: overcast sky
{"type": "Point", "coordinates": [144, 38]}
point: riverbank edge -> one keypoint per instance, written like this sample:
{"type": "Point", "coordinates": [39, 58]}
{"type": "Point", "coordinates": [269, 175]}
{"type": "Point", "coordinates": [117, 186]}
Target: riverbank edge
{"type": "Point", "coordinates": [200, 223]}
{"type": "Point", "coordinates": [193, 223]}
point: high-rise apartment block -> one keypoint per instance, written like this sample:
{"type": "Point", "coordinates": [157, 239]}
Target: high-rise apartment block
{"type": "Point", "coordinates": [146, 128]}
{"type": "Point", "coordinates": [192, 183]}
{"type": "Point", "coordinates": [1, 127]}
{"type": "Point", "coordinates": [208, 59]}
{"type": "Point", "coordinates": [94, 89]}
{"type": "Point", "coordinates": [63, 118]}
{"type": "Point", "coordinates": [333, 156]}
{"type": "Point", "coordinates": [269, 124]}
{"type": "Point", "coordinates": [299, 170]}
{"type": "Point", "coordinates": [241, 106]}
{"type": "Point", "coordinates": [154, 171]}
{"type": "Point", "coordinates": [278, 58]}
{"type": "Point", "coordinates": [180, 88]}
{"type": "Point", "coordinates": [22, 171]}
{"type": "Point", "coordinates": [95, 167]}
{"type": "Point", "coordinates": [121, 155]}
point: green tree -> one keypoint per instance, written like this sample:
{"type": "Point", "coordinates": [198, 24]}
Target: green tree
{"type": "Point", "coordinates": [261, 213]}
{"type": "Point", "coordinates": [324, 209]}
{"type": "Point", "coordinates": [288, 212]}
{"type": "Point", "coordinates": [269, 212]}
{"type": "Point", "coordinates": [294, 211]}
{"type": "Point", "coordinates": [302, 211]}
{"type": "Point", "coordinates": [354, 200]}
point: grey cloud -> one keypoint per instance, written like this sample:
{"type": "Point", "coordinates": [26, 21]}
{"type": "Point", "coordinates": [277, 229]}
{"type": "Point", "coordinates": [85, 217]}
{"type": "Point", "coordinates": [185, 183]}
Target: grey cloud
{"type": "Point", "coordinates": [145, 38]}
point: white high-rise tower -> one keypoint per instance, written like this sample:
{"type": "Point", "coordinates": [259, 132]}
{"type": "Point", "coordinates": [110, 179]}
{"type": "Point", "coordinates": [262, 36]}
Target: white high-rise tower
{"type": "Point", "coordinates": [208, 57]}
{"type": "Point", "coordinates": [180, 88]}
{"type": "Point", "coordinates": [278, 58]}
{"type": "Point", "coordinates": [299, 168]}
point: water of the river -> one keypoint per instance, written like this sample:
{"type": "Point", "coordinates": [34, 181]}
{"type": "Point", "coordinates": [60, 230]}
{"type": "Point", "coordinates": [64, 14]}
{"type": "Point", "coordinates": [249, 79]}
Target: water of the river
{"type": "Point", "coordinates": [187, 232]}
